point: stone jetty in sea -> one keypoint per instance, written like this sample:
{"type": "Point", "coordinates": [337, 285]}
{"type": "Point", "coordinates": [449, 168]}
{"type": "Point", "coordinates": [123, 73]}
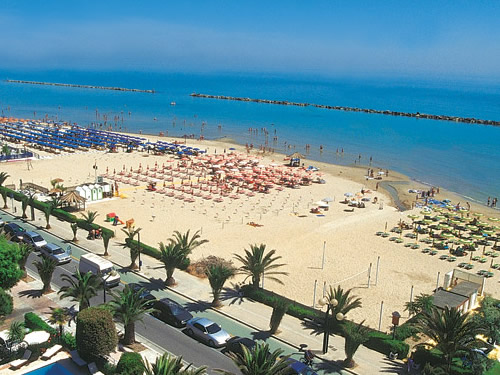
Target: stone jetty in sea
{"type": "Point", "coordinates": [79, 86]}
{"type": "Point", "coordinates": [470, 120]}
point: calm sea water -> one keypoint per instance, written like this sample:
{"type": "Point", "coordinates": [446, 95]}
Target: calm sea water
{"type": "Point", "coordinates": [460, 157]}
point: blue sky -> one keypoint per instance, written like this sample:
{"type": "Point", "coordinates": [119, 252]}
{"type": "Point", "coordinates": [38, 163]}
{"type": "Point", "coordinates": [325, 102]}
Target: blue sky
{"type": "Point", "coordinates": [337, 38]}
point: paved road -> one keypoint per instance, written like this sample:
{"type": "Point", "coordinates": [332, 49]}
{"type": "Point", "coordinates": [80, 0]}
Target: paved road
{"type": "Point", "coordinates": [159, 333]}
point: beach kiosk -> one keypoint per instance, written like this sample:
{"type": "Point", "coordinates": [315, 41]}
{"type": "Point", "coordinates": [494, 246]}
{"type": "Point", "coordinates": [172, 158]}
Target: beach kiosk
{"type": "Point", "coordinates": [84, 192]}
{"type": "Point", "coordinates": [106, 190]}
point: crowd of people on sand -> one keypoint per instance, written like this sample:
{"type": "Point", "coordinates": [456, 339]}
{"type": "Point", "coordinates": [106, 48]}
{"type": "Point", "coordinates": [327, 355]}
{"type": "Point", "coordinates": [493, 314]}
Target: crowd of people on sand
{"type": "Point", "coordinates": [492, 202]}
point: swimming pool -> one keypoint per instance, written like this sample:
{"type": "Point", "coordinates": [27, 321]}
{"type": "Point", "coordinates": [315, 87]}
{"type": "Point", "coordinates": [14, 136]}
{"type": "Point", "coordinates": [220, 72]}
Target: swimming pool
{"type": "Point", "coordinates": [53, 369]}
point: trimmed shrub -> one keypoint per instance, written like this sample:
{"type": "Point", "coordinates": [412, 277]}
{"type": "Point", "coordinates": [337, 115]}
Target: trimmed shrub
{"type": "Point", "coordinates": [423, 356]}
{"type": "Point", "coordinates": [130, 364]}
{"type": "Point", "coordinates": [406, 331]}
{"type": "Point", "coordinates": [95, 333]}
{"type": "Point", "coordinates": [384, 344]}
{"type": "Point", "coordinates": [35, 323]}
{"type": "Point", "coordinates": [63, 215]}
{"type": "Point", "coordinates": [68, 341]}
{"type": "Point", "coordinates": [6, 303]}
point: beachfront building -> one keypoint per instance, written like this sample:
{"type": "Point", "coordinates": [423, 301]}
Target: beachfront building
{"type": "Point", "coordinates": [461, 291]}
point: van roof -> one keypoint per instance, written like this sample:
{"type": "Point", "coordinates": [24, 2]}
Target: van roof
{"type": "Point", "coordinates": [97, 259]}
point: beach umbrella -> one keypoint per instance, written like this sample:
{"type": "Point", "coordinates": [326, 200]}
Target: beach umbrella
{"type": "Point", "coordinates": [471, 227]}
{"type": "Point", "coordinates": [427, 221]}
{"type": "Point", "coordinates": [447, 235]}
{"type": "Point", "coordinates": [477, 237]}
{"type": "Point", "coordinates": [477, 214]}
{"type": "Point", "coordinates": [494, 219]}
{"type": "Point", "coordinates": [348, 195]}
{"type": "Point", "coordinates": [327, 199]}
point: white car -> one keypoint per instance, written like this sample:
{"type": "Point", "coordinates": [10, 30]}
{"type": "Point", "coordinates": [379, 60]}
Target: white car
{"type": "Point", "coordinates": [34, 239]}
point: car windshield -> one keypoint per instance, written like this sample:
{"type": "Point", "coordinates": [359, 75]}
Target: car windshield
{"type": "Point", "coordinates": [176, 309]}
{"type": "Point", "coordinates": [37, 238]}
{"type": "Point", "coordinates": [58, 251]}
{"type": "Point", "coordinates": [213, 328]}
{"type": "Point", "coordinates": [105, 271]}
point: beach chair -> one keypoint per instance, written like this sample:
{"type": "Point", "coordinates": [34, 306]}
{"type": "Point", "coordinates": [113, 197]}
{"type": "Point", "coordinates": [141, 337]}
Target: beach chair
{"type": "Point", "coordinates": [50, 352]}
{"type": "Point", "coordinates": [93, 369]}
{"type": "Point", "coordinates": [76, 358]}
{"type": "Point", "coordinates": [18, 363]}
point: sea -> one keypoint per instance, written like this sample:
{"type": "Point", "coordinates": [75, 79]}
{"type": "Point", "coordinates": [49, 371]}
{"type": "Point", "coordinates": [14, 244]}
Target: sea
{"type": "Point", "coordinates": [463, 158]}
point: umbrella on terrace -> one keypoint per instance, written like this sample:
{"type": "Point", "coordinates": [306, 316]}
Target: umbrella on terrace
{"type": "Point", "coordinates": [73, 198]}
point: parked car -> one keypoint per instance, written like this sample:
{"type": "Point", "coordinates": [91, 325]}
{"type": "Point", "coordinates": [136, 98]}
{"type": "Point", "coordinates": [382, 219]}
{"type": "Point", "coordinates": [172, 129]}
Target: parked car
{"type": "Point", "coordinates": [1, 222]}
{"type": "Point", "coordinates": [171, 312]}
{"type": "Point", "coordinates": [145, 295]}
{"type": "Point", "coordinates": [234, 345]}
{"type": "Point", "coordinates": [34, 239]}
{"type": "Point", "coordinates": [56, 253]}
{"type": "Point", "coordinates": [207, 331]}
{"type": "Point", "coordinates": [15, 231]}
{"type": "Point", "coordinates": [300, 368]}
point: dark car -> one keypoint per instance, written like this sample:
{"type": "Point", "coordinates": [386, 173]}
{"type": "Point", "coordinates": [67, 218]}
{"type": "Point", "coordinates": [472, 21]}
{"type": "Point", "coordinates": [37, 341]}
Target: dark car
{"type": "Point", "coordinates": [297, 367]}
{"type": "Point", "coordinates": [171, 312]}
{"type": "Point", "coordinates": [15, 231]}
{"type": "Point", "coordinates": [234, 345]}
{"type": "Point", "coordinates": [145, 295]}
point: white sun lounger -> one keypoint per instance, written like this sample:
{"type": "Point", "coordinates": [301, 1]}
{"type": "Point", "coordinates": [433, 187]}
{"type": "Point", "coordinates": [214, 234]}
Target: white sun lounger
{"type": "Point", "coordinates": [22, 361]}
{"type": "Point", "coordinates": [49, 353]}
{"type": "Point", "coordinates": [76, 358]}
{"type": "Point", "coordinates": [93, 369]}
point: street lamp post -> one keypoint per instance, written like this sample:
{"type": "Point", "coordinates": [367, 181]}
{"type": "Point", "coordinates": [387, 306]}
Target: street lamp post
{"type": "Point", "coordinates": [330, 305]}
{"type": "Point", "coordinates": [95, 171]}
{"type": "Point", "coordinates": [139, 244]}
{"type": "Point", "coordinates": [104, 279]}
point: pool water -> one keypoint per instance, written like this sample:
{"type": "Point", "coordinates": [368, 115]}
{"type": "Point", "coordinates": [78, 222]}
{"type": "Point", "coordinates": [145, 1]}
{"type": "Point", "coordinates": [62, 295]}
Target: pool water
{"type": "Point", "coordinates": [54, 369]}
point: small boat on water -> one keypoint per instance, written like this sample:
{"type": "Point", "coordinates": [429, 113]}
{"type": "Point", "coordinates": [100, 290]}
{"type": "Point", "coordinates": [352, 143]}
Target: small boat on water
{"type": "Point", "coordinates": [172, 103]}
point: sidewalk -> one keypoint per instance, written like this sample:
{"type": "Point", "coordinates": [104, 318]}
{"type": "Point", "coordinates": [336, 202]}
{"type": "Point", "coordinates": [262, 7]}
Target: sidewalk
{"type": "Point", "coordinates": [255, 315]}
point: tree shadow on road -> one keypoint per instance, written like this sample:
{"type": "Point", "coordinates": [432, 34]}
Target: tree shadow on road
{"type": "Point", "coordinates": [232, 295]}
{"type": "Point", "coordinates": [329, 367]}
{"type": "Point", "coordinates": [393, 367]}
{"type": "Point", "coordinates": [31, 293]}
{"type": "Point", "coordinates": [261, 335]}
{"type": "Point", "coordinates": [197, 306]}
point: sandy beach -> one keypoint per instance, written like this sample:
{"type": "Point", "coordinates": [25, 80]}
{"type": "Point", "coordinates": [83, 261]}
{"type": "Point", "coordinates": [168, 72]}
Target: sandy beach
{"type": "Point", "coordinates": [347, 239]}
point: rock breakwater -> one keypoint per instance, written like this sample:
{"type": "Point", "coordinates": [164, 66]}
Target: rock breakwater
{"type": "Point", "coordinates": [469, 120]}
{"type": "Point", "coordinates": [79, 86]}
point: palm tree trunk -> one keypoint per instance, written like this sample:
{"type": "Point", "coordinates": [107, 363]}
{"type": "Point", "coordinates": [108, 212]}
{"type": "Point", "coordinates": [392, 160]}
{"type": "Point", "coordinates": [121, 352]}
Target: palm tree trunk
{"type": "Point", "coordinates": [170, 281]}
{"type": "Point", "coordinates": [216, 302]}
{"type": "Point", "coordinates": [256, 281]}
{"type": "Point", "coordinates": [61, 330]}
{"type": "Point", "coordinates": [129, 336]}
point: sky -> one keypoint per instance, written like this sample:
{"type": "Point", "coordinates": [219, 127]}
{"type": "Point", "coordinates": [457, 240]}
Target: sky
{"type": "Point", "coordinates": [337, 38]}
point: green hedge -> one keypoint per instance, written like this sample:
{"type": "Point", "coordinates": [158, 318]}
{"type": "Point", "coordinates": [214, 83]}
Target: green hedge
{"type": "Point", "coordinates": [384, 344]}
{"type": "Point", "coordinates": [154, 252]}
{"type": "Point", "coordinates": [35, 323]}
{"type": "Point", "coordinates": [130, 364]}
{"type": "Point", "coordinates": [6, 303]}
{"type": "Point", "coordinates": [68, 340]}
{"type": "Point", "coordinates": [57, 212]}
{"type": "Point", "coordinates": [378, 341]}
{"type": "Point", "coordinates": [270, 299]}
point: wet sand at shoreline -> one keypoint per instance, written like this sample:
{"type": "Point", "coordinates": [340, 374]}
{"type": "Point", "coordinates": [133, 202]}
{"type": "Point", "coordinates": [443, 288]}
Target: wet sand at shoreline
{"type": "Point", "coordinates": [288, 226]}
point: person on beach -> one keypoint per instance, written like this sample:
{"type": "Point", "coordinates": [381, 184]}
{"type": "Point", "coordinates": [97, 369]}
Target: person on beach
{"type": "Point", "coordinates": [488, 203]}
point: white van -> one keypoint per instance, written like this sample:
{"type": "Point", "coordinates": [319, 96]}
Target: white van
{"type": "Point", "coordinates": [100, 267]}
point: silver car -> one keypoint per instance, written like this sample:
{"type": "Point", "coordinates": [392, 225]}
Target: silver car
{"type": "Point", "coordinates": [207, 331]}
{"type": "Point", "coordinates": [55, 253]}
{"type": "Point", "coordinates": [34, 239]}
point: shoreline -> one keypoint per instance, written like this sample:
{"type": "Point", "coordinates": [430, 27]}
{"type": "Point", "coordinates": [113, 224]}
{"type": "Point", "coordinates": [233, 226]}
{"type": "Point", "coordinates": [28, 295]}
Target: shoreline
{"type": "Point", "coordinates": [345, 238]}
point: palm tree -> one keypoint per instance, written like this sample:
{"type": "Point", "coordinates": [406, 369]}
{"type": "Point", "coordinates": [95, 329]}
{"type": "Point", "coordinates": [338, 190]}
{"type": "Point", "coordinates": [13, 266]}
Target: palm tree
{"type": "Point", "coordinates": [106, 237]}
{"type": "Point", "coordinates": [453, 332]}
{"type": "Point", "coordinates": [83, 286]}
{"type": "Point", "coordinates": [279, 310]}
{"type": "Point", "coordinates": [217, 275]}
{"type": "Point", "coordinates": [59, 316]}
{"type": "Point", "coordinates": [128, 307]}
{"type": "Point", "coordinates": [46, 268]}
{"type": "Point", "coordinates": [90, 216]}
{"type": "Point", "coordinates": [170, 365]}
{"type": "Point", "coordinates": [74, 228]}
{"type": "Point", "coordinates": [24, 206]}
{"type": "Point", "coordinates": [187, 244]}
{"type": "Point", "coordinates": [345, 302]}
{"type": "Point", "coordinates": [355, 335]}
{"type": "Point", "coordinates": [259, 361]}
{"type": "Point", "coordinates": [3, 176]}
{"type": "Point", "coordinates": [4, 196]}
{"type": "Point", "coordinates": [25, 250]}
{"type": "Point", "coordinates": [423, 303]}
{"type": "Point", "coordinates": [172, 256]}
{"type": "Point", "coordinates": [256, 264]}
{"type": "Point", "coordinates": [134, 249]}
{"type": "Point", "coordinates": [47, 211]}
{"type": "Point", "coordinates": [16, 332]}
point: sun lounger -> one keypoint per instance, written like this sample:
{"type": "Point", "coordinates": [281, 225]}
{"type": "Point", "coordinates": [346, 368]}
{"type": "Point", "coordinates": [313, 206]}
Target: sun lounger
{"type": "Point", "coordinates": [76, 358]}
{"type": "Point", "coordinates": [93, 369]}
{"type": "Point", "coordinates": [22, 361]}
{"type": "Point", "coordinates": [50, 352]}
